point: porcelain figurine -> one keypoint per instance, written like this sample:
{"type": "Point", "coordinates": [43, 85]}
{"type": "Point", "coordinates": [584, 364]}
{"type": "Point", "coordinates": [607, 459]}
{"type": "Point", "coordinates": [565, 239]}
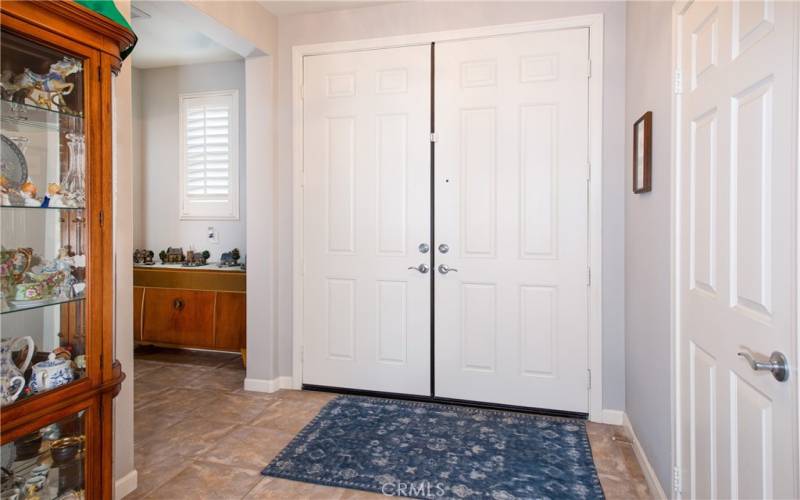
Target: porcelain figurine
{"type": "Point", "coordinates": [53, 198]}
{"type": "Point", "coordinates": [48, 375]}
{"type": "Point", "coordinates": [28, 191]}
{"type": "Point", "coordinates": [11, 374]}
{"type": "Point", "coordinates": [42, 90]}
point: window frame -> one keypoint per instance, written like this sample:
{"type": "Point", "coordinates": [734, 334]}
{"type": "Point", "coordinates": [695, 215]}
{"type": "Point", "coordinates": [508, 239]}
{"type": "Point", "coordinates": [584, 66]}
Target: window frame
{"type": "Point", "coordinates": [225, 211]}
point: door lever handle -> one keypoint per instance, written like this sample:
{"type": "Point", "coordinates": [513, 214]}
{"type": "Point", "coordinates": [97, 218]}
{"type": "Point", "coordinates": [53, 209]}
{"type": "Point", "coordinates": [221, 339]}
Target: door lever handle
{"type": "Point", "coordinates": [423, 268]}
{"type": "Point", "coordinates": [777, 364]}
{"type": "Point", "coordinates": [444, 269]}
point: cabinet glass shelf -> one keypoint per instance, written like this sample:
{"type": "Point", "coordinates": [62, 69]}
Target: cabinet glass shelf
{"type": "Point", "coordinates": [21, 305]}
{"type": "Point", "coordinates": [19, 115]}
{"type": "Point", "coordinates": [23, 207]}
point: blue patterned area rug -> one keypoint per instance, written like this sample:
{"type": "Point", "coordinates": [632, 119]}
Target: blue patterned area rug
{"type": "Point", "coordinates": [429, 450]}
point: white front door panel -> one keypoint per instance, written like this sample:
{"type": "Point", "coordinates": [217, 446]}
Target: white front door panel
{"type": "Point", "coordinates": [511, 204]}
{"type": "Point", "coordinates": [366, 206]}
{"type": "Point", "coordinates": [737, 254]}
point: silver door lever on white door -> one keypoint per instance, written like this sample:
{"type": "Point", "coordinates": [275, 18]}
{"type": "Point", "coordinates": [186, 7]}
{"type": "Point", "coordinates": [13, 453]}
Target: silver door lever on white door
{"type": "Point", "coordinates": [444, 269]}
{"type": "Point", "coordinates": [777, 364]}
{"type": "Point", "coordinates": [423, 268]}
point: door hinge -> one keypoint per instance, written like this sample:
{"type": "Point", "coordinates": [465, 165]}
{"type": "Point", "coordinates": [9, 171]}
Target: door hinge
{"type": "Point", "coordinates": [434, 136]}
{"type": "Point", "coordinates": [588, 68]}
{"type": "Point", "coordinates": [676, 479]}
{"type": "Point", "coordinates": [588, 379]}
{"type": "Point", "coordinates": [678, 82]}
{"type": "Point", "coordinates": [102, 218]}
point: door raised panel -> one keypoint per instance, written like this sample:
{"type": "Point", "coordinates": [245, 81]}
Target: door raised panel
{"type": "Point", "coordinates": [479, 326]}
{"type": "Point", "coordinates": [478, 73]}
{"type": "Point", "coordinates": [340, 149]}
{"type": "Point", "coordinates": [752, 21]}
{"type": "Point", "coordinates": [751, 171]}
{"type": "Point", "coordinates": [538, 180]}
{"type": "Point", "coordinates": [392, 310]}
{"type": "Point", "coordinates": [479, 181]}
{"type": "Point", "coordinates": [340, 85]}
{"type": "Point", "coordinates": [703, 422]}
{"type": "Point", "coordinates": [538, 68]}
{"type": "Point", "coordinates": [392, 144]}
{"type": "Point", "coordinates": [750, 441]}
{"type": "Point", "coordinates": [538, 330]}
{"type": "Point", "coordinates": [705, 47]}
{"type": "Point", "coordinates": [341, 325]}
{"type": "Point", "coordinates": [703, 179]}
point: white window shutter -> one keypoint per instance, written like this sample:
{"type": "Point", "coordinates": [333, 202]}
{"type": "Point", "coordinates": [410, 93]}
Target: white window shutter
{"type": "Point", "coordinates": [209, 155]}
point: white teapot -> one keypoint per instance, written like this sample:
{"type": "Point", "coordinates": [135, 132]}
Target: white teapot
{"type": "Point", "coordinates": [12, 380]}
{"type": "Point", "coordinates": [48, 375]}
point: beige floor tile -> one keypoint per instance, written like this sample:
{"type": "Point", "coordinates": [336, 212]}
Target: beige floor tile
{"type": "Point", "coordinates": [231, 407]}
{"type": "Point", "coordinates": [275, 488]}
{"type": "Point", "coordinates": [288, 415]}
{"type": "Point", "coordinates": [248, 447]}
{"type": "Point", "coordinates": [201, 480]}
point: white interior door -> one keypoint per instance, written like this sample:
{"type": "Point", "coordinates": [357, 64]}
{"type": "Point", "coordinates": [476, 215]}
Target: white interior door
{"type": "Point", "coordinates": [737, 253]}
{"type": "Point", "coordinates": [366, 208]}
{"type": "Point", "coordinates": [511, 206]}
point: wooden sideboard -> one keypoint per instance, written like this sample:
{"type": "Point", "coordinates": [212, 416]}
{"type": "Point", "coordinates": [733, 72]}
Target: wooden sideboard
{"type": "Point", "coordinates": [203, 308]}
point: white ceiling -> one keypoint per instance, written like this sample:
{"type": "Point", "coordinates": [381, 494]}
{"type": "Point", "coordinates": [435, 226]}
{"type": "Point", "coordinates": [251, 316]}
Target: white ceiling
{"type": "Point", "coordinates": [288, 8]}
{"type": "Point", "coordinates": [165, 41]}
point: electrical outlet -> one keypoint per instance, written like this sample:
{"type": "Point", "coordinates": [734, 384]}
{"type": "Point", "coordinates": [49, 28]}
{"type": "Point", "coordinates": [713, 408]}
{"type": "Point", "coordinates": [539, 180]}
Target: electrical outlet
{"type": "Point", "coordinates": [213, 237]}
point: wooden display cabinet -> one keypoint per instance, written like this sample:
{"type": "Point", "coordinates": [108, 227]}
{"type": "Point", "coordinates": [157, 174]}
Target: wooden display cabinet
{"type": "Point", "coordinates": [57, 60]}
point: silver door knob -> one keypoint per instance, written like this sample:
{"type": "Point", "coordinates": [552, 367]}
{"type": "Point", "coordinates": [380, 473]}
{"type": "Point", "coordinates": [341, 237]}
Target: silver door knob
{"type": "Point", "coordinates": [444, 248]}
{"type": "Point", "coordinates": [423, 248]}
{"type": "Point", "coordinates": [423, 268]}
{"type": "Point", "coordinates": [777, 364]}
{"type": "Point", "coordinates": [444, 269]}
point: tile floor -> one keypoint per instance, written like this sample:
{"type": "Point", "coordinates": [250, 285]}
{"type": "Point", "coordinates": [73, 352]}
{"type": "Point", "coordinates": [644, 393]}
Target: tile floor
{"type": "Point", "coordinates": [199, 435]}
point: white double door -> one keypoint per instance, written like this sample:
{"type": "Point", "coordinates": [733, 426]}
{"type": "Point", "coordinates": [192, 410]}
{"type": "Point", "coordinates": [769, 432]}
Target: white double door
{"type": "Point", "coordinates": [507, 194]}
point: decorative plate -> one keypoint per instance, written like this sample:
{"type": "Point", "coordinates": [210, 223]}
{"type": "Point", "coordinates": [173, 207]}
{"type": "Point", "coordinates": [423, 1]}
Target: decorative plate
{"type": "Point", "coordinates": [12, 164]}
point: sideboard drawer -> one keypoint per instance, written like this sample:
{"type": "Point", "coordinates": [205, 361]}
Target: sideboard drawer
{"type": "Point", "coordinates": [184, 317]}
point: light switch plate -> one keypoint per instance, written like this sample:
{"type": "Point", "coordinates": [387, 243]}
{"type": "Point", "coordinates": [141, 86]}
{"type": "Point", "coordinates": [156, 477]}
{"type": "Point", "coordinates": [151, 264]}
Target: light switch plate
{"type": "Point", "coordinates": [213, 237]}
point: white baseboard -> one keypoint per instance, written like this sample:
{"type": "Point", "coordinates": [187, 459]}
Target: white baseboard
{"type": "Point", "coordinates": [267, 385]}
{"type": "Point", "coordinates": [649, 474]}
{"type": "Point", "coordinates": [612, 417]}
{"type": "Point", "coordinates": [125, 485]}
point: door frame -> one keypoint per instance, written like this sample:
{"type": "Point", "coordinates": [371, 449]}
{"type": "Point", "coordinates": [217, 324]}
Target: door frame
{"type": "Point", "coordinates": [678, 8]}
{"type": "Point", "coordinates": [594, 22]}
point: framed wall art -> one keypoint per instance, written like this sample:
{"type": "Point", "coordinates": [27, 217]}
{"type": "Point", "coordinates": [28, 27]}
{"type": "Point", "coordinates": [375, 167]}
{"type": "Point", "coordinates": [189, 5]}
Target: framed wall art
{"type": "Point", "coordinates": [643, 154]}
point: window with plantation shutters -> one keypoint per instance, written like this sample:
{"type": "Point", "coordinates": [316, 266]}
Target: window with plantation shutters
{"type": "Point", "coordinates": [209, 155]}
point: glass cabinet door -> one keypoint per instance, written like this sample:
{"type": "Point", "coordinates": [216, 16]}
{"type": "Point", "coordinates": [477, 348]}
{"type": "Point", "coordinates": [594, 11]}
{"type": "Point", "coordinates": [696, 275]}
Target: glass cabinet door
{"type": "Point", "coordinates": [48, 463]}
{"type": "Point", "coordinates": [43, 225]}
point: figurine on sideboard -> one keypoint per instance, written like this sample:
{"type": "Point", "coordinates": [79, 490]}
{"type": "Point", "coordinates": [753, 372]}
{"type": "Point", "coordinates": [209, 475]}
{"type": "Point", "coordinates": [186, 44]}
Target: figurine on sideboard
{"type": "Point", "coordinates": [143, 256]}
{"type": "Point", "coordinates": [172, 256]}
{"type": "Point", "coordinates": [196, 259]}
{"type": "Point", "coordinates": [230, 259]}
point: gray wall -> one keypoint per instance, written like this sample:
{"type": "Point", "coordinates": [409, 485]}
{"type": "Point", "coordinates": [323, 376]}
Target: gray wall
{"type": "Point", "coordinates": [647, 236]}
{"type": "Point", "coordinates": [422, 17]}
{"type": "Point", "coordinates": [157, 218]}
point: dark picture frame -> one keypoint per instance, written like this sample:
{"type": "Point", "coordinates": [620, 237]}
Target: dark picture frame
{"type": "Point", "coordinates": [643, 154]}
